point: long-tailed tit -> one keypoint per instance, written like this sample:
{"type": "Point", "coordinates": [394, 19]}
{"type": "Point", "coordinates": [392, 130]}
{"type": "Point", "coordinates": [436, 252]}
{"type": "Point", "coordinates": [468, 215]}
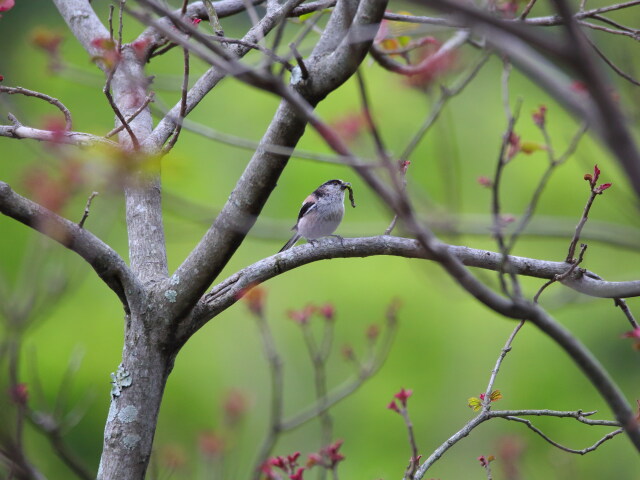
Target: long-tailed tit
{"type": "Point", "coordinates": [321, 212]}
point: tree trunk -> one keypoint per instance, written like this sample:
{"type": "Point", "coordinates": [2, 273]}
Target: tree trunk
{"type": "Point", "coordinates": [135, 403]}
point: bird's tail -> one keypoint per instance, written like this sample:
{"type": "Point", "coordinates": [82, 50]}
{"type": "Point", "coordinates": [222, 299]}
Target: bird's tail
{"type": "Point", "coordinates": [292, 241]}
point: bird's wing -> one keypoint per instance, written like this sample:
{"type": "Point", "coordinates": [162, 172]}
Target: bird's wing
{"type": "Point", "coordinates": [307, 206]}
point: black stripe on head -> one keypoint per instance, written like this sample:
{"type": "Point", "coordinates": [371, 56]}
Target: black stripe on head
{"type": "Point", "coordinates": [321, 192]}
{"type": "Point", "coordinates": [332, 182]}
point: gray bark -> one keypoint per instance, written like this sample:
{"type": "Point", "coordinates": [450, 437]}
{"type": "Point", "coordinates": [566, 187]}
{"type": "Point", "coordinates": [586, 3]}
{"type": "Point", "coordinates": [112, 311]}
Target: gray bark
{"type": "Point", "coordinates": [162, 313]}
{"type": "Point", "coordinates": [157, 304]}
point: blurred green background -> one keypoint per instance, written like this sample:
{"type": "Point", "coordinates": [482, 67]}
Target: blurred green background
{"type": "Point", "coordinates": [447, 343]}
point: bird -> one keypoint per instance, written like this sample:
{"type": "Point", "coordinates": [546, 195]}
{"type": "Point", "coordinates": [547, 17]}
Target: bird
{"type": "Point", "coordinates": [321, 212]}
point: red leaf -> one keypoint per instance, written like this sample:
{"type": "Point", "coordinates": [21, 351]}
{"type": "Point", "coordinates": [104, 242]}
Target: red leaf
{"type": "Point", "coordinates": [635, 333]}
{"type": "Point", "coordinates": [254, 297]}
{"type": "Point", "coordinates": [301, 317]}
{"type": "Point", "coordinates": [539, 116]}
{"type": "Point", "coordinates": [484, 181]}
{"type": "Point", "coordinates": [328, 311]}
{"type": "Point", "coordinates": [373, 331]}
{"type": "Point", "coordinates": [19, 393]}
{"type": "Point", "coordinates": [235, 405]}
{"type": "Point", "coordinates": [403, 395]}
{"type": "Point", "coordinates": [297, 475]}
{"type": "Point", "coordinates": [210, 444]}
{"type": "Point", "coordinates": [46, 39]}
{"type": "Point", "coordinates": [293, 458]}
{"type": "Point", "coordinates": [6, 5]}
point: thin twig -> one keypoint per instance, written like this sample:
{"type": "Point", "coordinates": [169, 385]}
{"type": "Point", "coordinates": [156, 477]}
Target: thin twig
{"type": "Point", "coordinates": [365, 371]}
{"type": "Point", "coordinates": [162, 50]}
{"type": "Point", "coordinates": [110, 22]}
{"type": "Point", "coordinates": [503, 159]}
{"type": "Point", "coordinates": [86, 209]}
{"type": "Point", "coordinates": [303, 68]}
{"type": "Point", "coordinates": [494, 373]}
{"type": "Point", "coordinates": [615, 24]}
{"type": "Point", "coordinates": [183, 93]}
{"type": "Point", "coordinates": [183, 102]}
{"type": "Point", "coordinates": [53, 101]}
{"type": "Point", "coordinates": [485, 415]}
{"type": "Point", "coordinates": [612, 65]}
{"type": "Point", "coordinates": [527, 9]}
{"type": "Point", "coordinates": [123, 121]}
{"type": "Point", "coordinates": [612, 31]}
{"type": "Point", "coordinates": [120, 23]}
{"type": "Point", "coordinates": [620, 302]}
{"type": "Point", "coordinates": [318, 357]}
{"type": "Point", "coordinates": [558, 278]}
{"type": "Point", "coordinates": [414, 461]}
{"type": "Point", "coordinates": [549, 21]}
{"type": "Point", "coordinates": [580, 226]}
{"type": "Point", "coordinates": [583, 451]}
{"type": "Point", "coordinates": [537, 194]}
{"type": "Point", "coordinates": [254, 46]}
{"type": "Point", "coordinates": [150, 98]}
{"type": "Point", "coordinates": [277, 392]}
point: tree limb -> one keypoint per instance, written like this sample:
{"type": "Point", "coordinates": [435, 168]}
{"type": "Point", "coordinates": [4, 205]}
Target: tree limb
{"type": "Point", "coordinates": [227, 292]}
{"type": "Point", "coordinates": [80, 139]}
{"type": "Point", "coordinates": [328, 71]}
{"type": "Point", "coordinates": [85, 25]}
{"type": "Point", "coordinates": [103, 259]}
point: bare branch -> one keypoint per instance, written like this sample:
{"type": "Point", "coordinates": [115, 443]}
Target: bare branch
{"type": "Point", "coordinates": [579, 415]}
{"type": "Point", "coordinates": [53, 101]}
{"type": "Point", "coordinates": [85, 215]}
{"type": "Point", "coordinates": [612, 65]}
{"type": "Point", "coordinates": [85, 25]}
{"type": "Point", "coordinates": [80, 139]}
{"type": "Point", "coordinates": [328, 71]}
{"type": "Point", "coordinates": [531, 426]}
{"type": "Point", "coordinates": [226, 292]}
{"type": "Point", "coordinates": [104, 260]}
{"type": "Point", "coordinates": [276, 395]}
{"type": "Point", "coordinates": [123, 121]}
{"type": "Point", "coordinates": [150, 98]}
{"type": "Point", "coordinates": [183, 101]}
{"type": "Point", "coordinates": [503, 353]}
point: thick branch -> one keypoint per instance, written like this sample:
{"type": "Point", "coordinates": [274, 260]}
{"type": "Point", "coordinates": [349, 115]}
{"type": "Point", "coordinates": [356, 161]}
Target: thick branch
{"type": "Point", "coordinates": [85, 25]}
{"type": "Point", "coordinates": [227, 292]}
{"type": "Point", "coordinates": [261, 174]}
{"type": "Point", "coordinates": [104, 260]}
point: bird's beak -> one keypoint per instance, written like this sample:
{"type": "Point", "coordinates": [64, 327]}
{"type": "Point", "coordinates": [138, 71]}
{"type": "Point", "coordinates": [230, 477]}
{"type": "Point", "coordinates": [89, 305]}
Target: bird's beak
{"type": "Point", "coordinates": [345, 185]}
